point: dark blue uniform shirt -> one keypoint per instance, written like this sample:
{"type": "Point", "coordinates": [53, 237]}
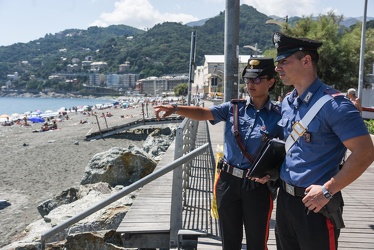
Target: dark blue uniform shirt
{"type": "Point", "coordinates": [253, 126]}
{"type": "Point", "coordinates": [315, 157]}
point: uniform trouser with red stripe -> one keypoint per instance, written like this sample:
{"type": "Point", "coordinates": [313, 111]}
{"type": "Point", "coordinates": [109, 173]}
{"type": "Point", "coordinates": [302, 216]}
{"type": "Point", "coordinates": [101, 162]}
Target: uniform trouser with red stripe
{"type": "Point", "coordinates": [297, 230]}
{"type": "Point", "coordinates": [238, 207]}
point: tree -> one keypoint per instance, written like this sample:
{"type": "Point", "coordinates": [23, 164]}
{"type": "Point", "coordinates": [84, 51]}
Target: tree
{"type": "Point", "coordinates": [181, 89]}
{"type": "Point", "coordinates": [339, 56]}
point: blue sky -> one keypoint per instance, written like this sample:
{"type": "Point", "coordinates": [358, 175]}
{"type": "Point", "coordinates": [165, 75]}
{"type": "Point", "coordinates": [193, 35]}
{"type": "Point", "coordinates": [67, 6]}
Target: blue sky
{"type": "Point", "coordinates": [26, 20]}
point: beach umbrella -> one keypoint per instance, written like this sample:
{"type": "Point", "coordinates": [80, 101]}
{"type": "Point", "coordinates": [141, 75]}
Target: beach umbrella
{"type": "Point", "coordinates": [35, 119]}
{"type": "Point", "coordinates": [4, 118]}
{"type": "Point", "coordinates": [48, 111]}
{"type": "Point", "coordinates": [15, 116]}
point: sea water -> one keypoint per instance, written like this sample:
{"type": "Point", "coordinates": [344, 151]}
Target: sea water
{"type": "Point", "coordinates": [20, 105]}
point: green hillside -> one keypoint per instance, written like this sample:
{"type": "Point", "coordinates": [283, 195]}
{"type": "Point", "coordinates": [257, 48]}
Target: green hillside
{"type": "Point", "coordinates": [163, 49]}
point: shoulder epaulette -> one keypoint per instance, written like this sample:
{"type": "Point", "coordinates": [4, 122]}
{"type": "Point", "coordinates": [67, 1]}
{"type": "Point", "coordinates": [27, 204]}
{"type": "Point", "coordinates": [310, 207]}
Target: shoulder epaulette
{"type": "Point", "coordinates": [333, 92]}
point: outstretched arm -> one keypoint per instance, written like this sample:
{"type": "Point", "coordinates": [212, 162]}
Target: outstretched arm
{"type": "Point", "coordinates": [193, 112]}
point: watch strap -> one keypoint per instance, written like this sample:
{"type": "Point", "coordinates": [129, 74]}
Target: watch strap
{"type": "Point", "coordinates": [328, 195]}
{"type": "Point", "coordinates": [175, 107]}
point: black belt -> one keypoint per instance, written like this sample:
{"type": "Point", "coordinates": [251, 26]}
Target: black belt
{"type": "Point", "coordinates": [292, 190]}
{"type": "Point", "coordinates": [238, 172]}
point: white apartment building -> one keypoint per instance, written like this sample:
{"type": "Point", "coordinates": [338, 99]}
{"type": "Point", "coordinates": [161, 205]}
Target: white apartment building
{"type": "Point", "coordinates": [96, 66]}
{"type": "Point", "coordinates": [213, 68]}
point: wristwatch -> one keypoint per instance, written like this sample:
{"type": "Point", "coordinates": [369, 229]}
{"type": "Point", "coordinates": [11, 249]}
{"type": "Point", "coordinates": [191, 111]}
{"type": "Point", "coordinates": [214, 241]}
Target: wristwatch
{"type": "Point", "coordinates": [326, 193]}
{"type": "Point", "coordinates": [175, 107]}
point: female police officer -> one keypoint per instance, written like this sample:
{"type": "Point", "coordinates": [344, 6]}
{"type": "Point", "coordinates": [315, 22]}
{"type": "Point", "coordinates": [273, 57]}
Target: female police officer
{"type": "Point", "coordinates": [239, 200]}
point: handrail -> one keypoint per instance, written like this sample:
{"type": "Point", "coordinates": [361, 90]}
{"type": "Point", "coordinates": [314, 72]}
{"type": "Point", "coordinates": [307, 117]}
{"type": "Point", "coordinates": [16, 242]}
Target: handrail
{"type": "Point", "coordinates": [145, 180]}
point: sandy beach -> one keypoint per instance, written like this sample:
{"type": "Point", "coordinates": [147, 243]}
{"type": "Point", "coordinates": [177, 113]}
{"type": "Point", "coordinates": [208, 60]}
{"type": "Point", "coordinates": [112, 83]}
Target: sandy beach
{"type": "Point", "coordinates": [35, 166]}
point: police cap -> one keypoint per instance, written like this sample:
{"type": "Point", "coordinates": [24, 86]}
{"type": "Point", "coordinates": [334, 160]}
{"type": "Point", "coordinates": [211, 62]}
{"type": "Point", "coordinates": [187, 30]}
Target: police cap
{"type": "Point", "coordinates": [259, 66]}
{"type": "Point", "coordinates": [286, 45]}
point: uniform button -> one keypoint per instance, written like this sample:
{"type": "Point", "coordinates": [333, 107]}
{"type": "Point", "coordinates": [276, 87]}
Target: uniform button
{"type": "Point", "coordinates": [287, 169]}
{"type": "Point", "coordinates": [246, 138]}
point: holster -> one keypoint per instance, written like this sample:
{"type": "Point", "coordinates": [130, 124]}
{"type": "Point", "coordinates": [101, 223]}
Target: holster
{"type": "Point", "coordinates": [220, 164]}
{"type": "Point", "coordinates": [273, 188]}
{"type": "Point", "coordinates": [333, 210]}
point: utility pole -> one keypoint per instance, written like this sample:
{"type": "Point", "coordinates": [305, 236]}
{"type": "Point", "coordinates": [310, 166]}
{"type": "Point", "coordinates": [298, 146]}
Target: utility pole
{"type": "Point", "coordinates": [362, 54]}
{"type": "Point", "coordinates": [192, 66]}
{"type": "Point", "coordinates": [231, 50]}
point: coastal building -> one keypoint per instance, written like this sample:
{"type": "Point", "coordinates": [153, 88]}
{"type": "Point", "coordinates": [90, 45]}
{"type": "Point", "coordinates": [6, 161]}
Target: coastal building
{"type": "Point", "coordinates": [97, 66]}
{"type": "Point", "coordinates": [124, 67]}
{"type": "Point", "coordinates": [208, 79]}
{"type": "Point", "coordinates": [158, 86]}
{"type": "Point", "coordinates": [112, 81]}
{"type": "Point", "coordinates": [57, 77]}
{"type": "Point", "coordinates": [14, 76]}
{"type": "Point", "coordinates": [128, 81]}
{"type": "Point", "coordinates": [97, 79]}
{"type": "Point", "coordinates": [121, 81]}
{"type": "Point", "coordinates": [72, 68]}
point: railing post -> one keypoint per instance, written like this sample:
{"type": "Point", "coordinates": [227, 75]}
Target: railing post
{"type": "Point", "coordinates": [177, 187]}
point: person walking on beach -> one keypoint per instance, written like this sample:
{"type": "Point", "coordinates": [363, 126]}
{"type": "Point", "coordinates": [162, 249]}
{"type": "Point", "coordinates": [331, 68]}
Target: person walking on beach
{"type": "Point", "coordinates": [310, 203]}
{"type": "Point", "coordinates": [241, 201]}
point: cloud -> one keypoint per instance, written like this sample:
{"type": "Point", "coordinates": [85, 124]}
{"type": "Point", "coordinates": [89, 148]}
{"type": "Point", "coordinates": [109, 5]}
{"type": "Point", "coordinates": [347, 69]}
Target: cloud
{"type": "Point", "coordinates": [282, 8]}
{"type": "Point", "coordinates": [140, 14]}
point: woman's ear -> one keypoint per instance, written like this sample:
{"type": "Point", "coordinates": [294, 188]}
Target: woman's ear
{"type": "Point", "coordinates": [271, 82]}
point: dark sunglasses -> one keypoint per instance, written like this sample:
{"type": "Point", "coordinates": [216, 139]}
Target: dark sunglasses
{"type": "Point", "coordinates": [256, 80]}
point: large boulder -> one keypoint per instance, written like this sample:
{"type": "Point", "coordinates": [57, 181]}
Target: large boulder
{"type": "Point", "coordinates": [70, 195]}
{"type": "Point", "coordinates": [119, 166]}
{"type": "Point", "coordinates": [159, 141]}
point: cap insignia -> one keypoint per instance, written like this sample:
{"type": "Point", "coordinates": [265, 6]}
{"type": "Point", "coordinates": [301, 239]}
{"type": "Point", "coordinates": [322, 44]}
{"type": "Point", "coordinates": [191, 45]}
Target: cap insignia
{"type": "Point", "coordinates": [254, 63]}
{"type": "Point", "coordinates": [276, 39]}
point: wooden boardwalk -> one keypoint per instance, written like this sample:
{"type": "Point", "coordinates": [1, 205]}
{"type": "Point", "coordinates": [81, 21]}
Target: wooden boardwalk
{"type": "Point", "coordinates": [151, 209]}
{"type": "Point", "coordinates": [150, 213]}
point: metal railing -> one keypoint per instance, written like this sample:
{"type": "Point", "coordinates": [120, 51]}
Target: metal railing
{"type": "Point", "coordinates": [184, 153]}
{"type": "Point", "coordinates": [184, 143]}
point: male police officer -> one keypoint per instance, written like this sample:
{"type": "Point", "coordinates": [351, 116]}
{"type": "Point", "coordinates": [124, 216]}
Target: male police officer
{"type": "Point", "coordinates": [311, 179]}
